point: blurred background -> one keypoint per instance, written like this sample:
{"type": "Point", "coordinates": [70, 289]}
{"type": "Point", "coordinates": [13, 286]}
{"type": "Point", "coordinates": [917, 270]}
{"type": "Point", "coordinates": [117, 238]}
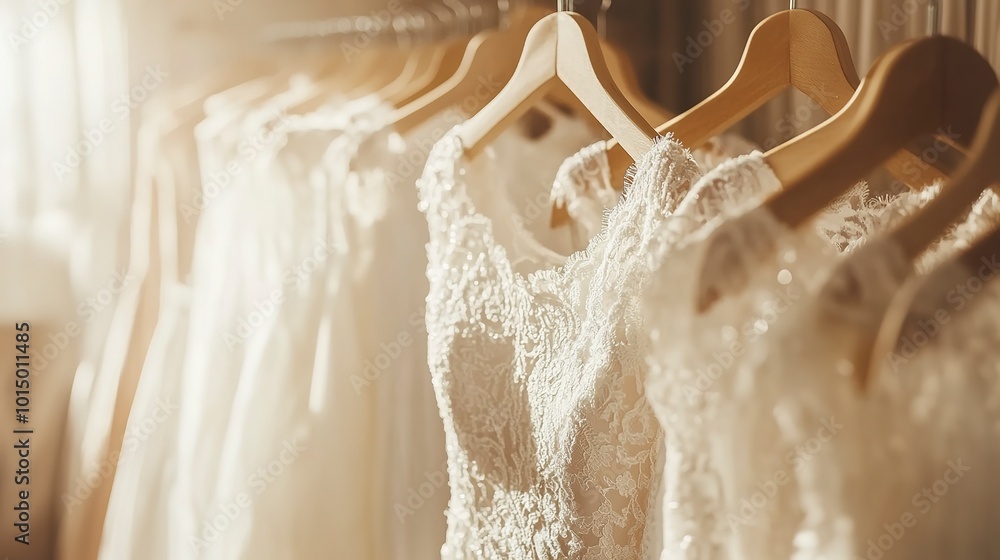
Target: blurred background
{"type": "Point", "coordinates": [66, 64]}
{"type": "Point", "coordinates": [78, 76]}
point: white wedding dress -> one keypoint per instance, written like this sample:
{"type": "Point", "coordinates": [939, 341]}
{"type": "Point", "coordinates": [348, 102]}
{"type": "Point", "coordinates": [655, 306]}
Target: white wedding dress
{"type": "Point", "coordinates": [770, 453]}
{"type": "Point", "coordinates": [536, 359]}
{"type": "Point", "coordinates": [717, 454]}
{"type": "Point", "coordinates": [908, 475]}
{"type": "Point", "coordinates": [367, 395]}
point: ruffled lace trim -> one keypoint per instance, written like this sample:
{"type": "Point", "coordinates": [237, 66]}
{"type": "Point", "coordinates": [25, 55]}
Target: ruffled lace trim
{"type": "Point", "coordinates": [583, 186]}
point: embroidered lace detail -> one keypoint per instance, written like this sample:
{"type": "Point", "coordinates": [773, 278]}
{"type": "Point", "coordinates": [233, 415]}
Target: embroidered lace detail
{"type": "Point", "coordinates": [552, 446]}
{"type": "Point", "coordinates": [719, 149]}
{"type": "Point", "coordinates": [694, 521]}
{"type": "Point", "coordinates": [730, 489]}
{"type": "Point", "coordinates": [583, 186]}
{"type": "Point", "coordinates": [826, 442]}
{"type": "Point", "coordinates": [737, 245]}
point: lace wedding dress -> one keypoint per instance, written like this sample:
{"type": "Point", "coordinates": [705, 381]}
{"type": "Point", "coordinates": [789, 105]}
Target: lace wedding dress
{"type": "Point", "coordinates": [536, 361]}
{"type": "Point", "coordinates": [908, 473]}
{"type": "Point", "coordinates": [719, 457]}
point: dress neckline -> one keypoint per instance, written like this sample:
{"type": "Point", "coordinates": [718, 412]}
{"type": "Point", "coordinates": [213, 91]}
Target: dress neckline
{"type": "Point", "coordinates": [644, 195]}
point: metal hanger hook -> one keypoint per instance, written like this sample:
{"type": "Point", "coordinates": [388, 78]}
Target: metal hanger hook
{"type": "Point", "coordinates": [792, 4]}
{"type": "Point", "coordinates": [602, 19]}
{"type": "Point", "coordinates": [503, 14]}
{"type": "Point", "coordinates": [933, 18]}
{"type": "Point", "coordinates": [564, 5]}
{"type": "Point", "coordinates": [463, 18]}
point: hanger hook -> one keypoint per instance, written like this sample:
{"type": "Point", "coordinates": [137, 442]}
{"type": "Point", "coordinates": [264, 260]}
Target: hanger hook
{"type": "Point", "coordinates": [462, 16]}
{"type": "Point", "coordinates": [503, 14]}
{"type": "Point", "coordinates": [933, 18]}
{"type": "Point", "coordinates": [402, 26]}
{"type": "Point", "coordinates": [602, 19]}
{"type": "Point", "coordinates": [792, 4]}
{"type": "Point", "coordinates": [564, 5]}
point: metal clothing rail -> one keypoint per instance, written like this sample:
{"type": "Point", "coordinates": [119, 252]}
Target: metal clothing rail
{"type": "Point", "coordinates": [443, 19]}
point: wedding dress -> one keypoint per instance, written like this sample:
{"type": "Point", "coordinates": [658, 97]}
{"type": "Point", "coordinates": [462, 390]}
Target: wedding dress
{"type": "Point", "coordinates": [908, 473]}
{"type": "Point", "coordinates": [214, 510]}
{"type": "Point", "coordinates": [697, 363]}
{"type": "Point", "coordinates": [536, 363]}
{"type": "Point", "coordinates": [139, 523]}
{"type": "Point", "coordinates": [369, 364]}
{"type": "Point", "coordinates": [748, 430]}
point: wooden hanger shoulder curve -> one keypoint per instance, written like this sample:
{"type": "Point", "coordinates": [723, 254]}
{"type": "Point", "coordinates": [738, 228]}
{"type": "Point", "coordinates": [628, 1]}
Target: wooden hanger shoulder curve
{"type": "Point", "coordinates": [929, 293]}
{"type": "Point", "coordinates": [489, 60]}
{"type": "Point", "coordinates": [562, 47]}
{"type": "Point", "coordinates": [913, 90]}
{"type": "Point", "coordinates": [981, 171]}
{"type": "Point", "coordinates": [797, 48]}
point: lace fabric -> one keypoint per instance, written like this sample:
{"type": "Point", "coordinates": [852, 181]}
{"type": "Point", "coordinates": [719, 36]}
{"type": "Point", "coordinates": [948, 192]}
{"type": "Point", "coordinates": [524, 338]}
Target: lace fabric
{"type": "Point", "coordinates": [808, 449]}
{"type": "Point", "coordinates": [339, 357]}
{"type": "Point", "coordinates": [552, 447]}
{"type": "Point", "coordinates": [585, 188]}
{"type": "Point", "coordinates": [729, 480]}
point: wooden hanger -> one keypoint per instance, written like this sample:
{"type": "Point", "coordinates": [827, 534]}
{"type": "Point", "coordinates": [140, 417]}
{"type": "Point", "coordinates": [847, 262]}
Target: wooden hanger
{"type": "Point", "coordinates": [627, 80]}
{"type": "Point", "coordinates": [451, 51]}
{"type": "Point", "coordinates": [491, 54]}
{"type": "Point", "coordinates": [419, 59]}
{"type": "Point", "coordinates": [915, 89]}
{"type": "Point", "coordinates": [424, 64]}
{"type": "Point", "coordinates": [489, 58]}
{"type": "Point", "coordinates": [357, 77]}
{"type": "Point", "coordinates": [982, 171]}
{"type": "Point", "coordinates": [899, 313]}
{"type": "Point", "coordinates": [561, 48]}
{"type": "Point", "coordinates": [796, 48]}
{"type": "Point", "coordinates": [914, 236]}
{"type": "Point", "coordinates": [445, 62]}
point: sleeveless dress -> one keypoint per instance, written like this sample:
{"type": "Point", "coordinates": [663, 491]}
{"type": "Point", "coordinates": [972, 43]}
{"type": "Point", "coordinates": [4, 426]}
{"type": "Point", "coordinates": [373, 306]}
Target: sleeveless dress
{"type": "Point", "coordinates": [536, 360]}
{"type": "Point", "coordinates": [748, 271]}
{"type": "Point", "coordinates": [908, 473]}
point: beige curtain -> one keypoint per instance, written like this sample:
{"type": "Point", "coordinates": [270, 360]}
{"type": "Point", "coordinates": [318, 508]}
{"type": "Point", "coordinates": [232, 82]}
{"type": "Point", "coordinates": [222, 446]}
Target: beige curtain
{"type": "Point", "coordinates": [67, 107]}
